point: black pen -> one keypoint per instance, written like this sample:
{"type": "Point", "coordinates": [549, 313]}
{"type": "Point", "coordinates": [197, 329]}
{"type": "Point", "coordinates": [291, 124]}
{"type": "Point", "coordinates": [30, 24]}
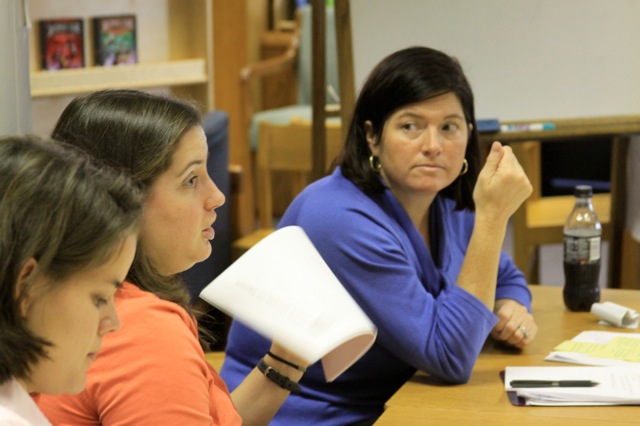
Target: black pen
{"type": "Point", "coordinates": [553, 384]}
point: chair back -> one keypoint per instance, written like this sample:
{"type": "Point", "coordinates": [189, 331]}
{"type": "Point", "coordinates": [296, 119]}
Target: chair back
{"type": "Point", "coordinates": [288, 148]}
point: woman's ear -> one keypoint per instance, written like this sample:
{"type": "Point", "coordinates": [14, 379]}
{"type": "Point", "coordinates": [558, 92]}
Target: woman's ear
{"type": "Point", "coordinates": [372, 141]}
{"type": "Point", "coordinates": [22, 289]}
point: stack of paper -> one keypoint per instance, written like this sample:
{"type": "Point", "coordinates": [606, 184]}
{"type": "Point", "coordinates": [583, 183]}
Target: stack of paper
{"type": "Point", "coordinates": [599, 348]}
{"type": "Point", "coordinates": [614, 386]}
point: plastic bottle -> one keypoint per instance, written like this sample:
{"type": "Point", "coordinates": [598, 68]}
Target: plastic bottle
{"type": "Point", "coordinates": [582, 243]}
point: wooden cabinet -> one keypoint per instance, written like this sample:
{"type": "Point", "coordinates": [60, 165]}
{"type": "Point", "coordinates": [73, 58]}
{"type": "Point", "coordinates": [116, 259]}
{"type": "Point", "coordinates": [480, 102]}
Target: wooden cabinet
{"type": "Point", "coordinates": [175, 51]}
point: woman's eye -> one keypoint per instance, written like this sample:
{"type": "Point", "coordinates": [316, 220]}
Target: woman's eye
{"type": "Point", "coordinates": [100, 301]}
{"type": "Point", "coordinates": [192, 181]}
{"type": "Point", "coordinates": [412, 130]}
{"type": "Point", "coordinates": [450, 127]}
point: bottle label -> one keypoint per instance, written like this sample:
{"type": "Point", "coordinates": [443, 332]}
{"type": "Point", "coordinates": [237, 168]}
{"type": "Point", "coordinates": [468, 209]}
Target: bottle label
{"type": "Point", "coordinates": [581, 249]}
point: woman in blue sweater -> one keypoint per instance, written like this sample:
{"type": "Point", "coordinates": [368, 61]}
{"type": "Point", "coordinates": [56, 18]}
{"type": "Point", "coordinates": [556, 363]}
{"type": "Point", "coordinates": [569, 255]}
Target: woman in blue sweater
{"type": "Point", "coordinates": [412, 225]}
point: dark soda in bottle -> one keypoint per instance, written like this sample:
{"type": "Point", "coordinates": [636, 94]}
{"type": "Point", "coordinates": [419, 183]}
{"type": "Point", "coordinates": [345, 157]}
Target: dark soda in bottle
{"type": "Point", "coordinates": [582, 243]}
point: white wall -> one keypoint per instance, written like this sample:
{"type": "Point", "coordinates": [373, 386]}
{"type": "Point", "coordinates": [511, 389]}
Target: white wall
{"type": "Point", "coordinates": [15, 95]}
{"type": "Point", "coordinates": [526, 59]}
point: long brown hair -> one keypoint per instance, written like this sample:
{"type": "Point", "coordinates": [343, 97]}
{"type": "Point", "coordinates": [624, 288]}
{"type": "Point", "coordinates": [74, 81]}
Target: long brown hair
{"type": "Point", "coordinates": [136, 132]}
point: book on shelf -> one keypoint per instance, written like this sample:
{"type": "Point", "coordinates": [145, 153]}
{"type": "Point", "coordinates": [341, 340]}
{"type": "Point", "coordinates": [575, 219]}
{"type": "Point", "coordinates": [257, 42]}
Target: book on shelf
{"type": "Point", "coordinates": [62, 43]}
{"type": "Point", "coordinates": [114, 40]}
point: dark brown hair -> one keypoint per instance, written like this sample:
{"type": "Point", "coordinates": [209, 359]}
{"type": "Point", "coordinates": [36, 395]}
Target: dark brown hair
{"type": "Point", "coordinates": [405, 77]}
{"type": "Point", "coordinates": [64, 211]}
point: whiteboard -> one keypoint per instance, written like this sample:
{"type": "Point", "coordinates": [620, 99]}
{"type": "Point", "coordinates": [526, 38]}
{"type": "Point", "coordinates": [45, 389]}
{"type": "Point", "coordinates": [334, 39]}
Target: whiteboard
{"type": "Point", "coordinates": [525, 59]}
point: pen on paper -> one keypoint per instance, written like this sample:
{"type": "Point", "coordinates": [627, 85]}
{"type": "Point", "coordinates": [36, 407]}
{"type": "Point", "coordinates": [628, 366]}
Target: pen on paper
{"type": "Point", "coordinates": [527, 127]}
{"type": "Point", "coordinates": [552, 384]}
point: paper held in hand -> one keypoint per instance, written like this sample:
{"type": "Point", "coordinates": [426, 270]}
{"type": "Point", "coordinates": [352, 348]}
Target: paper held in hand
{"type": "Point", "coordinates": [283, 289]}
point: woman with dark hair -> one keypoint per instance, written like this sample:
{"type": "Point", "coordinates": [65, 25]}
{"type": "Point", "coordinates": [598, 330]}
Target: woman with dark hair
{"type": "Point", "coordinates": [154, 372]}
{"type": "Point", "coordinates": [413, 228]}
{"type": "Point", "coordinates": [68, 236]}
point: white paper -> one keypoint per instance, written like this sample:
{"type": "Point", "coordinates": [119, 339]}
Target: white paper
{"type": "Point", "coordinates": [616, 385]}
{"type": "Point", "coordinates": [283, 289]}
{"type": "Point", "coordinates": [599, 337]}
{"type": "Point", "coordinates": [614, 314]}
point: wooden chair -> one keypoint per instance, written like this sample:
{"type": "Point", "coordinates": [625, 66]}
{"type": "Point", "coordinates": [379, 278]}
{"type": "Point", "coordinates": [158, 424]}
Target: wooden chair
{"type": "Point", "coordinates": [294, 66]}
{"type": "Point", "coordinates": [540, 220]}
{"type": "Point", "coordinates": [297, 60]}
{"type": "Point", "coordinates": [284, 148]}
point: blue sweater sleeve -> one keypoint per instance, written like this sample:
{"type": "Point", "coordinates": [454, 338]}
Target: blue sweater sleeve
{"type": "Point", "coordinates": [433, 326]}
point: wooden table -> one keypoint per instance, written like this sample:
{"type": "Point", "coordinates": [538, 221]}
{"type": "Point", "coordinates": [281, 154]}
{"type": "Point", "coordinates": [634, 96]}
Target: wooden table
{"type": "Point", "coordinates": [484, 401]}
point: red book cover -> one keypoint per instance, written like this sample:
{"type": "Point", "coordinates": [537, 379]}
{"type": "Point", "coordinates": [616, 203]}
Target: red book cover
{"type": "Point", "coordinates": [62, 43]}
{"type": "Point", "coordinates": [114, 40]}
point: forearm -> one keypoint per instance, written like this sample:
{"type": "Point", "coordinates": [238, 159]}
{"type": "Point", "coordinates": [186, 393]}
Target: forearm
{"type": "Point", "coordinates": [257, 398]}
{"type": "Point", "coordinates": [501, 188]}
{"type": "Point", "coordinates": [479, 272]}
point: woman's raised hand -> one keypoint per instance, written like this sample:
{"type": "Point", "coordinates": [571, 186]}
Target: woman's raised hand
{"type": "Point", "coordinates": [502, 185]}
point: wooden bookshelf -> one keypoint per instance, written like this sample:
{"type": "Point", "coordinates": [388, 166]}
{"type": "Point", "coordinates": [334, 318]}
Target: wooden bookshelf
{"type": "Point", "coordinates": [175, 53]}
{"type": "Point", "coordinates": [72, 81]}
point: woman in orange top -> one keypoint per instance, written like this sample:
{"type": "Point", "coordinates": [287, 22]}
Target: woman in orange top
{"type": "Point", "coordinates": [153, 372]}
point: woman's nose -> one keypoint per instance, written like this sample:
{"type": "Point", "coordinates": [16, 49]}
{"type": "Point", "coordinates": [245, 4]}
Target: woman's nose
{"type": "Point", "coordinates": [111, 321]}
{"type": "Point", "coordinates": [432, 142]}
{"type": "Point", "coordinates": [215, 197]}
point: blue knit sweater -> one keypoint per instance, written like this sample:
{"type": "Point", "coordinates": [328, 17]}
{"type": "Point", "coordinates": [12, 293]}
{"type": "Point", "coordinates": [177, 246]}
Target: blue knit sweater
{"type": "Point", "coordinates": [425, 322]}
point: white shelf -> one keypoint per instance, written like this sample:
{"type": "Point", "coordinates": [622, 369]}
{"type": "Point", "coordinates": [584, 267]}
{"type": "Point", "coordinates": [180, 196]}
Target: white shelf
{"type": "Point", "coordinates": [80, 80]}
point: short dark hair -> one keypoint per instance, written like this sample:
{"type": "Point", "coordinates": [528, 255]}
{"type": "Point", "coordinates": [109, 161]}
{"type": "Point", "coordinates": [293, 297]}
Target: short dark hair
{"type": "Point", "coordinates": [405, 77]}
{"type": "Point", "coordinates": [69, 214]}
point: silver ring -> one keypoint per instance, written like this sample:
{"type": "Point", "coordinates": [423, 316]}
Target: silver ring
{"type": "Point", "coordinates": [524, 331]}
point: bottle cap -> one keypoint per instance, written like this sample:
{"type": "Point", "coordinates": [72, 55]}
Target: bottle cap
{"type": "Point", "coordinates": [583, 191]}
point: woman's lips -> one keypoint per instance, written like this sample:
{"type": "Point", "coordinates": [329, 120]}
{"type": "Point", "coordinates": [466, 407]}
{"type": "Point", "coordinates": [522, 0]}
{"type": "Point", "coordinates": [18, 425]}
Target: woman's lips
{"type": "Point", "coordinates": [209, 233]}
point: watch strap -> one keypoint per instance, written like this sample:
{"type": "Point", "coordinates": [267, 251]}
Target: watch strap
{"type": "Point", "coordinates": [278, 378]}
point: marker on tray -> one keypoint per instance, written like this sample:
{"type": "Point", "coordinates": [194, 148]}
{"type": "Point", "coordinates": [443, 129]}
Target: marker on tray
{"type": "Point", "coordinates": [527, 127]}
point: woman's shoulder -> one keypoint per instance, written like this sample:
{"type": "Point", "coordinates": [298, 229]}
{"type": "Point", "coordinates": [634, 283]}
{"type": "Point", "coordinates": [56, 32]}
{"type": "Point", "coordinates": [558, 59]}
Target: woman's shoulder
{"type": "Point", "coordinates": [142, 309]}
{"type": "Point", "coordinates": [159, 329]}
{"type": "Point", "coordinates": [332, 194]}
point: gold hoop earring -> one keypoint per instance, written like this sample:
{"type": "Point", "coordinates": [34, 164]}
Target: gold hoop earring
{"type": "Point", "coordinates": [465, 167]}
{"type": "Point", "coordinates": [372, 162]}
